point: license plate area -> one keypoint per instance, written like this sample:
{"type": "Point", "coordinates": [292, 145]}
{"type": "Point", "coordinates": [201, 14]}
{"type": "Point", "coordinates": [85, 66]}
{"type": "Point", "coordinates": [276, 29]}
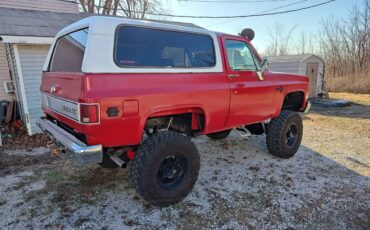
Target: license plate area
{"type": "Point", "coordinates": [61, 106]}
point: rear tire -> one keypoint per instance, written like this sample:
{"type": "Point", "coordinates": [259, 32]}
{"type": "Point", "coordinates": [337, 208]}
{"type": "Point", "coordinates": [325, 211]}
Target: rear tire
{"type": "Point", "coordinates": [219, 135]}
{"type": "Point", "coordinates": [284, 134]}
{"type": "Point", "coordinates": [165, 168]}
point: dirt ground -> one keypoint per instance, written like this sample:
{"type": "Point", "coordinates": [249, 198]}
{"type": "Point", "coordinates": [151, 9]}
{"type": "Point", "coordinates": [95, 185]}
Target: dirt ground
{"type": "Point", "coordinates": [326, 185]}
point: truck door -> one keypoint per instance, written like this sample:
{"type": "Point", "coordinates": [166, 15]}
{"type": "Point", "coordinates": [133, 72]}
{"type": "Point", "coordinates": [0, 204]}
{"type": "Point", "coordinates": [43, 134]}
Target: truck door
{"type": "Point", "coordinates": [251, 96]}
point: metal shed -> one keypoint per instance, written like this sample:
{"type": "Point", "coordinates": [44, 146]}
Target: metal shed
{"type": "Point", "coordinates": [304, 64]}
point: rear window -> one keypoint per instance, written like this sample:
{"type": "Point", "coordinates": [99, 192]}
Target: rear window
{"type": "Point", "coordinates": [69, 52]}
{"type": "Point", "coordinates": [148, 47]}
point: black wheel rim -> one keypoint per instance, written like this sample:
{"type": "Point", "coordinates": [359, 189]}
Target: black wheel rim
{"type": "Point", "coordinates": [291, 135]}
{"type": "Point", "coordinates": [171, 172]}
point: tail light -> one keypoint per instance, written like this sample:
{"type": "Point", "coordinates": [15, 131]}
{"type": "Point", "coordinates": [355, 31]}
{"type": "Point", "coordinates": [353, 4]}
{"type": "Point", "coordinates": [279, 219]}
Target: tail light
{"type": "Point", "coordinates": [89, 113]}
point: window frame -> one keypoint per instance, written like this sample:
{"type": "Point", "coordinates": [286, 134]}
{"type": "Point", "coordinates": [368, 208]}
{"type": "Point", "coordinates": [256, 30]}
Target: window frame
{"type": "Point", "coordinates": [115, 44]}
{"type": "Point", "coordinates": [55, 45]}
{"type": "Point", "coordinates": [250, 50]}
{"type": "Point", "coordinates": [255, 56]}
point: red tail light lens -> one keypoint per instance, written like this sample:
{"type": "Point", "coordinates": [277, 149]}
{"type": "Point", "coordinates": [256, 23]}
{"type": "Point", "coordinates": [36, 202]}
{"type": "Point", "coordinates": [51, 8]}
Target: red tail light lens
{"type": "Point", "coordinates": [89, 113]}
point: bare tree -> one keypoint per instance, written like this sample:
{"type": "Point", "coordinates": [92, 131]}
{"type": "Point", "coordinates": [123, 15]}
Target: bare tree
{"type": "Point", "coordinates": [343, 43]}
{"type": "Point", "coordinates": [306, 43]}
{"type": "Point", "coordinates": [302, 44]}
{"type": "Point", "coordinates": [128, 8]}
{"type": "Point", "coordinates": [280, 39]}
{"type": "Point", "coordinates": [345, 46]}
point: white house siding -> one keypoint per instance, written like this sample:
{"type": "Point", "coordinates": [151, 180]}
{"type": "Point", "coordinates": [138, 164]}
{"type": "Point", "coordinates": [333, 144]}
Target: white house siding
{"type": "Point", "coordinates": [4, 74]}
{"type": "Point", "coordinates": [31, 58]}
{"type": "Point", "coordinates": [285, 67]}
{"type": "Point", "coordinates": [43, 5]}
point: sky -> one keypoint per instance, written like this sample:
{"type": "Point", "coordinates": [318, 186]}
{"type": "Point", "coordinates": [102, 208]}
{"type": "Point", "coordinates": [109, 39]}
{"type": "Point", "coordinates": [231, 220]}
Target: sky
{"type": "Point", "coordinates": [307, 21]}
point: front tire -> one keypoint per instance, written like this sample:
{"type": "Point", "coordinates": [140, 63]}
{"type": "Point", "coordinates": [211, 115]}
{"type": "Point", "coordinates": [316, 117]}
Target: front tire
{"type": "Point", "coordinates": [284, 134]}
{"type": "Point", "coordinates": [165, 168]}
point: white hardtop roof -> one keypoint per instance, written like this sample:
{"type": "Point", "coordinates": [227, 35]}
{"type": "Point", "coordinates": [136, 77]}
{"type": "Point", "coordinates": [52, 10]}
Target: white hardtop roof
{"type": "Point", "coordinates": [101, 38]}
{"type": "Point", "coordinates": [104, 25]}
{"type": "Point", "coordinates": [291, 58]}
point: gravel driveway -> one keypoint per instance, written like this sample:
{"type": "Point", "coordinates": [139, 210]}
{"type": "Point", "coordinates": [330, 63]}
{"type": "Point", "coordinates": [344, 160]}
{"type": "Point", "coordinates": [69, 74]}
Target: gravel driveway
{"type": "Point", "coordinates": [326, 185]}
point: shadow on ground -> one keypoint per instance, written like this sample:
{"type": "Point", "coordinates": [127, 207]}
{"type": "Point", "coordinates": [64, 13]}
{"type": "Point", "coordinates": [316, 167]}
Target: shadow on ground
{"type": "Point", "coordinates": [355, 110]}
{"type": "Point", "coordinates": [240, 186]}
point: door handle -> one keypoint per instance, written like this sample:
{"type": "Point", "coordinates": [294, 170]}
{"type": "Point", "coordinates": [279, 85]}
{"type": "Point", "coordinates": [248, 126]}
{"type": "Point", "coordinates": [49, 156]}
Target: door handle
{"type": "Point", "coordinates": [231, 76]}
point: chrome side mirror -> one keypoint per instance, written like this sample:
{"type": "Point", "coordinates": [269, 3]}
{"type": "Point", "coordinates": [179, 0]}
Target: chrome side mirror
{"type": "Point", "coordinates": [264, 66]}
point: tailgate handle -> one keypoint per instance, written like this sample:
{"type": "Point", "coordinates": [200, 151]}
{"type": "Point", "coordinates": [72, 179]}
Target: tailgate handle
{"type": "Point", "coordinates": [55, 88]}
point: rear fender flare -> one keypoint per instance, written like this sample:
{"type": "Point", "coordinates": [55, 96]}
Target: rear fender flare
{"type": "Point", "coordinates": [173, 110]}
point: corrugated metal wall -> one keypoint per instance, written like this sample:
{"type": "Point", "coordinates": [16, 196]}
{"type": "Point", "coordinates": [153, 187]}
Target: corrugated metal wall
{"type": "Point", "coordinates": [44, 5]}
{"type": "Point", "coordinates": [298, 67]}
{"type": "Point", "coordinates": [4, 74]}
{"type": "Point", "coordinates": [285, 67]}
{"type": "Point", "coordinates": [32, 59]}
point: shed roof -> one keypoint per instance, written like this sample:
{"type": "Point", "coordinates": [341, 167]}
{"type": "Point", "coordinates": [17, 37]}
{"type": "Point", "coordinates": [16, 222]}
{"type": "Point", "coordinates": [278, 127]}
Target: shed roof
{"type": "Point", "coordinates": [21, 22]}
{"type": "Point", "coordinates": [291, 58]}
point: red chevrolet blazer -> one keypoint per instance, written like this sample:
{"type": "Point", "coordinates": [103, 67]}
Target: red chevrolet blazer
{"type": "Point", "coordinates": [120, 91]}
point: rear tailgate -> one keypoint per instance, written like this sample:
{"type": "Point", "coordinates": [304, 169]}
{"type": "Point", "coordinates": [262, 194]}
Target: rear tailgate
{"type": "Point", "coordinates": [62, 79]}
{"type": "Point", "coordinates": [63, 76]}
{"type": "Point", "coordinates": [61, 92]}
{"type": "Point", "coordinates": [65, 85]}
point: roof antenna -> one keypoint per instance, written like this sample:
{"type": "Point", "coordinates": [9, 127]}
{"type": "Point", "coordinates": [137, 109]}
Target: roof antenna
{"type": "Point", "coordinates": [247, 33]}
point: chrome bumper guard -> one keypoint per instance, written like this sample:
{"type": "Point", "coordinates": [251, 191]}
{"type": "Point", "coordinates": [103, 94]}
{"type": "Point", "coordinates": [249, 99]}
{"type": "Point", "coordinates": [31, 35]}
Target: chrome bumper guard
{"type": "Point", "coordinates": [70, 144]}
{"type": "Point", "coordinates": [308, 107]}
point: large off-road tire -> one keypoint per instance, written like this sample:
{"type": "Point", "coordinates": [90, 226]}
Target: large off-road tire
{"type": "Point", "coordinates": [165, 168]}
{"type": "Point", "coordinates": [219, 135]}
{"type": "Point", "coordinates": [284, 134]}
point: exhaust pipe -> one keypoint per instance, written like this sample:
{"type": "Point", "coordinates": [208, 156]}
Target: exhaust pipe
{"type": "Point", "coordinates": [121, 163]}
{"type": "Point", "coordinates": [121, 156]}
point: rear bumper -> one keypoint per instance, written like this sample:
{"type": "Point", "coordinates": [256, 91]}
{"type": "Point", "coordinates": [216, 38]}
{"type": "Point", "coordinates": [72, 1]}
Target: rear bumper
{"type": "Point", "coordinates": [308, 107]}
{"type": "Point", "coordinates": [79, 150]}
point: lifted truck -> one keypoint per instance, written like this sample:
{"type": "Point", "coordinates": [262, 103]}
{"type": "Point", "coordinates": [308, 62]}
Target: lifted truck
{"type": "Point", "coordinates": [119, 90]}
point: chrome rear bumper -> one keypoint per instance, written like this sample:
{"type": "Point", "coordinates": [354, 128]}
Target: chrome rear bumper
{"type": "Point", "coordinates": [79, 150]}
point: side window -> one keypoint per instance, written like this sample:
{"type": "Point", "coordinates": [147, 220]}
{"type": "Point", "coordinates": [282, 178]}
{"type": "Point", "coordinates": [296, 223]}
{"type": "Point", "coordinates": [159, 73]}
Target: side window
{"type": "Point", "coordinates": [239, 56]}
{"type": "Point", "coordinates": [174, 55]}
{"type": "Point", "coordinates": [69, 52]}
{"type": "Point", "coordinates": [151, 47]}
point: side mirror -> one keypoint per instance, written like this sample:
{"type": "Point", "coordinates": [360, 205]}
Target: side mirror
{"type": "Point", "coordinates": [264, 66]}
